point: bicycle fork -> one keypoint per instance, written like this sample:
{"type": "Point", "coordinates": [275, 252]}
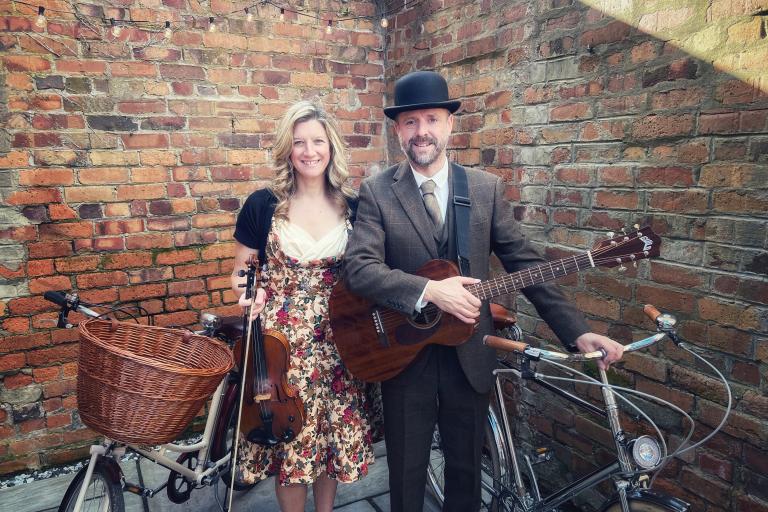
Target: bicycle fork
{"type": "Point", "coordinates": [619, 438]}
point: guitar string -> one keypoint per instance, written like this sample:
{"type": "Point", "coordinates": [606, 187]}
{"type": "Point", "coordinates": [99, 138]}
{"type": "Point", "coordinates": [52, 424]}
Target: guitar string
{"type": "Point", "coordinates": [389, 317]}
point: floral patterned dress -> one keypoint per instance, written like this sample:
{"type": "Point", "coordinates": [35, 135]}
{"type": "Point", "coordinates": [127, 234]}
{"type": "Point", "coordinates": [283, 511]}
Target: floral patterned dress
{"type": "Point", "coordinates": [337, 434]}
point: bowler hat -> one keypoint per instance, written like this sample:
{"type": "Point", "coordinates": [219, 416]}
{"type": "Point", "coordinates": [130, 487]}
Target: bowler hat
{"type": "Point", "coordinates": [419, 90]}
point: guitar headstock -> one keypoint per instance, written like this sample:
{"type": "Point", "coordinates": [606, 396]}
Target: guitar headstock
{"type": "Point", "coordinates": [626, 248]}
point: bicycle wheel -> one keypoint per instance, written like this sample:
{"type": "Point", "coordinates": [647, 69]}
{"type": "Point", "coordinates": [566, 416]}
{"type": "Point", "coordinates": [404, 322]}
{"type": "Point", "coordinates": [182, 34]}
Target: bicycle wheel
{"type": "Point", "coordinates": [647, 500]}
{"type": "Point", "coordinates": [641, 505]}
{"type": "Point", "coordinates": [104, 493]}
{"type": "Point", "coordinates": [491, 477]}
{"type": "Point", "coordinates": [222, 442]}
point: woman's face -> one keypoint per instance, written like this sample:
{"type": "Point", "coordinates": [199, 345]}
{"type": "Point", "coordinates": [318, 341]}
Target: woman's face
{"type": "Point", "coordinates": [311, 151]}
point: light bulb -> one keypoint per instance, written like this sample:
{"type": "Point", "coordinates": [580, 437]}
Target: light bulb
{"type": "Point", "coordinates": [40, 21]}
{"type": "Point", "coordinates": [282, 14]}
{"type": "Point", "coordinates": [168, 32]}
{"type": "Point", "coordinates": [116, 29]}
{"type": "Point", "coordinates": [211, 24]}
{"type": "Point", "coordinates": [248, 15]}
{"type": "Point", "coordinates": [384, 23]}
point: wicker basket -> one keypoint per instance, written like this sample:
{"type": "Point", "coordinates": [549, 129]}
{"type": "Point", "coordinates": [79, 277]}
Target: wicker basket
{"type": "Point", "coordinates": [143, 384]}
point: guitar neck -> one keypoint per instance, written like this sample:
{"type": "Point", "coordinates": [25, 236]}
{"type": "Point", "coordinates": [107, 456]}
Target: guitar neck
{"type": "Point", "coordinates": [530, 276]}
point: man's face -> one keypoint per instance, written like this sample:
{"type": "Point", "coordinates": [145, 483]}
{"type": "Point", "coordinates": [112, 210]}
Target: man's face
{"type": "Point", "coordinates": [423, 136]}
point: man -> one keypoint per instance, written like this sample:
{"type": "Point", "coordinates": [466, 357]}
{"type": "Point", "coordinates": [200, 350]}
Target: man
{"type": "Point", "coordinates": [401, 224]}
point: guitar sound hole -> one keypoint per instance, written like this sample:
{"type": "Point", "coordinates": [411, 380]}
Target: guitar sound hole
{"type": "Point", "coordinates": [429, 317]}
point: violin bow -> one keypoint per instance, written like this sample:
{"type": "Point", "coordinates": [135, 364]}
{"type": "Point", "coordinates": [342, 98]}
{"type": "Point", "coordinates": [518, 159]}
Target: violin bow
{"type": "Point", "coordinates": [249, 289]}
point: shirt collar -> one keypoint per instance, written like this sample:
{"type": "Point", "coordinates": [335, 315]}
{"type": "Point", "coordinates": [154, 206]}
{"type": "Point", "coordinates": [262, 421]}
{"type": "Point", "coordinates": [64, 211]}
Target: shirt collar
{"type": "Point", "coordinates": [440, 178]}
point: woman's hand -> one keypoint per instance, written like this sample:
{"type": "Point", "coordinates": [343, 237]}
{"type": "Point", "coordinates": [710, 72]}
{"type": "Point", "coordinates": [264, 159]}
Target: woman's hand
{"type": "Point", "coordinates": [258, 303]}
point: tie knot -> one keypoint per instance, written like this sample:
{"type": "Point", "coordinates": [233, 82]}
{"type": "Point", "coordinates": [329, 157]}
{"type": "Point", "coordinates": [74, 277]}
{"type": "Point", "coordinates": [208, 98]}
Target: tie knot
{"type": "Point", "coordinates": [428, 187]}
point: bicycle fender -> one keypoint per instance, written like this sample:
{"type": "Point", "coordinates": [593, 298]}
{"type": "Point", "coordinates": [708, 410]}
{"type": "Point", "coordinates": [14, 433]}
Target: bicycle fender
{"type": "Point", "coordinates": [112, 468]}
{"type": "Point", "coordinates": [659, 498]}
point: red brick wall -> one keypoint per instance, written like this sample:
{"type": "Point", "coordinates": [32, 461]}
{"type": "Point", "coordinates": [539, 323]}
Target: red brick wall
{"type": "Point", "coordinates": [124, 161]}
{"type": "Point", "coordinates": [651, 113]}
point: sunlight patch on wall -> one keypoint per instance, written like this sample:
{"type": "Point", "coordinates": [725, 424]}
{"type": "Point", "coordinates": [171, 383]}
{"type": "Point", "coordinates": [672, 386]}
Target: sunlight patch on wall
{"type": "Point", "coordinates": [731, 35]}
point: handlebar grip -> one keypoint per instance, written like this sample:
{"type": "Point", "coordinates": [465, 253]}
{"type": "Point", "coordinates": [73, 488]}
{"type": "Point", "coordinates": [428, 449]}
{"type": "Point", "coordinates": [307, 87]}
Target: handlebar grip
{"type": "Point", "coordinates": [504, 344]}
{"type": "Point", "coordinates": [651, 312]}
{"type": "Point", "coordinates": [57, 298]}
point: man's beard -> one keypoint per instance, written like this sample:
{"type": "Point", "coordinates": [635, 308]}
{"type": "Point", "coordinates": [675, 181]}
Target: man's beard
{"type": "Point", "coordinates": [423, 159]}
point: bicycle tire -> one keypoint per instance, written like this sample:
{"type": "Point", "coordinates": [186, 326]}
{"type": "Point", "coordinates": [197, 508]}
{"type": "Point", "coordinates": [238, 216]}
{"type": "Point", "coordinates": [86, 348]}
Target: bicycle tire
{"type": "Point", "coordinates": [492, 478]}
{"type": "Point", "coordinates": [641, 505]}
{"type": "Point", "coordinates": [104, 494]}
{"type": "Point", "coordinates": [647, 500]}
{"type": "Point", "coordinates": [222, 443]}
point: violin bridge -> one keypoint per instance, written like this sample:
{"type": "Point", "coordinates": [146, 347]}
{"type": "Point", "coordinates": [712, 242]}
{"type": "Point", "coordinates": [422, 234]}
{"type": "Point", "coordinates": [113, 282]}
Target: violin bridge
{"type": "Point", "coordinates": [262, 397]}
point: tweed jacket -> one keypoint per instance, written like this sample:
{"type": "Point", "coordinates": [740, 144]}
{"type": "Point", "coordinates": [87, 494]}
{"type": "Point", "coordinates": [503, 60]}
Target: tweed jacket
{"type": "Point", "coordinates": [393, 237]}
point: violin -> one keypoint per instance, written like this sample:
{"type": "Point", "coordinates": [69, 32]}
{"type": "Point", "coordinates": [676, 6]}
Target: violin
{"type": "Point", "coordinates": [271, 410]}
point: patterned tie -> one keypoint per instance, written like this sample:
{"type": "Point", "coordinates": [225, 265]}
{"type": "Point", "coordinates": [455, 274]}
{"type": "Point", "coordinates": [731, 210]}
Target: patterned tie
{"type": "Point", "coordinates": [430, 202]}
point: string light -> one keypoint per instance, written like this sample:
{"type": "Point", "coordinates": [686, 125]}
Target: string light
{"type": "Point", "coordinates": [116, 29]}
{"type": "Point", "coordinates": [116, 26]}
{"type": "Point", "coordinates": [40, 21]}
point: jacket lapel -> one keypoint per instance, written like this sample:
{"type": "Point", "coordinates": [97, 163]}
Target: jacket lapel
{"type": "Point", "coordinates": [407, 193]}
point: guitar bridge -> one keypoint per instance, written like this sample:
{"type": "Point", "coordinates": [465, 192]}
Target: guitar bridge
{"type": "Point", "coordinates": [378, 324]}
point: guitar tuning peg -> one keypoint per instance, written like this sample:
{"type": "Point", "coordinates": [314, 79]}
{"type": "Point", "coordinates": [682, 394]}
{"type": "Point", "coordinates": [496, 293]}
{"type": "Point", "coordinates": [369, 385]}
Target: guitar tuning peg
{"type": "Point", "coordinates": [636, 226]}
{"type": "Point", "coordinates": [634, 264]}
{"type": "Point", "coordinates": [623, 231]}
{"type": "Point", "coordinates": [622, 268]}
{"type": "Point", "coordinates": [610, 234]}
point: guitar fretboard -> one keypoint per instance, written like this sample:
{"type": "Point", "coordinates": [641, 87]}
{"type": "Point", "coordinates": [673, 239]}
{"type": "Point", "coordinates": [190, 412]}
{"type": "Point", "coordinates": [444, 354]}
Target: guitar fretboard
{"type": "Point", "coordinates": [510, 283]}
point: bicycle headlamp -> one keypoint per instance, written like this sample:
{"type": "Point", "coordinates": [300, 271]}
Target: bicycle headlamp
{"type": "Point", "coordinates": [646, 452]}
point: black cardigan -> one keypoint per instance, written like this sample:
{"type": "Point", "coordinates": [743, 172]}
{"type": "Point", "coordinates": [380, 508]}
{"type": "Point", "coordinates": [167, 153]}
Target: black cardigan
{"type": "Point", "coordinates": [258, 211]}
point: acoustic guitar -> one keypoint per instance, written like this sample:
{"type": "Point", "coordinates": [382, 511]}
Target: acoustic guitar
{"type": "Point", "coordinates": [376, 343]}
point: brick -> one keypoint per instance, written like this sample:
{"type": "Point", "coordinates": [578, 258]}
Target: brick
{"type": "Point", "coordinates": [141, 292]}
{"type": "Point", "coordinates": [50, 249]}
{"type": "Point", "coordinates": [127, 260]}
{"type": "Point", "coordinates": [680, 201]}
{"type": "Point", "coordinates": [665, 176]}
{"type": "Point", "coordinates": [657, 126]}
{"type": "Point", "coordinates": [48, 356]}
{"type": "Point", "coordinates": [145, 141]}
{"type": "Point", "coordinates": [34, 196]}
{"type": "Point", "coordinates": [49, 283]}
{"type": "Point", "coordinates": [46, 177]}
{"type": "Point", "coordinates": [26, 63]}
{"type": "Point", "coordinates": [12, 362]}
{"type": "Point", "coordinates": [102, 279]}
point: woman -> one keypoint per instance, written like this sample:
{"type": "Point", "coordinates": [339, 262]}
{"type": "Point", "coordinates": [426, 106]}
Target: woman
{"type": "Point", "coordinates": [313, 207]}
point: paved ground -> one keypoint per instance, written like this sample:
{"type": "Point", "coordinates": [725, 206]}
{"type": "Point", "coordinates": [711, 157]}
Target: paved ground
{"type": "Point", "coordinates": [371, 494]}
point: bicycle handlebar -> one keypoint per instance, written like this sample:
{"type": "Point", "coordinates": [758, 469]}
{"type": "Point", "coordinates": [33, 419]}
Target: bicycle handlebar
{"type": "Point", "coordinates": [664, 321]}
{"type": "Point", "coordinates": [68, 303]}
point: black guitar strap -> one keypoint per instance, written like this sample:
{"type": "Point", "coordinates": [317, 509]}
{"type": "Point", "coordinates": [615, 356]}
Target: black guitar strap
{"type": "Point", "coordinates": [461, 205]}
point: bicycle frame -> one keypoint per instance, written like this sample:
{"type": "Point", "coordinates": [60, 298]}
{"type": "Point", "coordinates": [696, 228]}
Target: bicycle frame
{"type": "Point", "coordinates": [537, 503]}
{"type": "Point", "coordinates": [158, 454]}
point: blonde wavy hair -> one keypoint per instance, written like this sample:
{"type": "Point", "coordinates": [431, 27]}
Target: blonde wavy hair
{"type": "Point", "coordinates": [283, 184]}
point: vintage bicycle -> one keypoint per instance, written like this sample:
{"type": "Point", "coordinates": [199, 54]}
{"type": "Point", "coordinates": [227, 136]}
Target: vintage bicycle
{"type": "Point", "coordinates": [509, 481]}
{"type": "Point", "coordinates": [202, 463]}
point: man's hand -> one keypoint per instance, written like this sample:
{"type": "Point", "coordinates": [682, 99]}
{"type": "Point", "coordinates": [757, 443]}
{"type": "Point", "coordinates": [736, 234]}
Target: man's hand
{"type": "Point", "coordinates": [258, 304]}
{"type": "Point", "coordinates": [450, 296]}
{"type": "Point", "coordinates": [589, 342]}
